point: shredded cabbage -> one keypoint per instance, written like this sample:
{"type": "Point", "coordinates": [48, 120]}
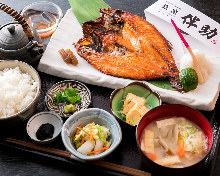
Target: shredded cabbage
{"type": "Point", "coordinates": [97, 132]}
{"type": "Point", "coordinates": [194, 140]}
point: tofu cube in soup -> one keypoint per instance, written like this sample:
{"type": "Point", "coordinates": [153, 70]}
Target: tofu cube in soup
{"type": "Point", "coordinates": [167, 161]}
{"type": "Point", "coordinates": [165, 122]}
{"type": "Point", "coordinates": [148, 141]}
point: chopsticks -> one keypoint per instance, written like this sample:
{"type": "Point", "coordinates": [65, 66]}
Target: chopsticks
{"type": "Point", "coordinates": [195, 62]}
{"type": "Point", "coordinates": [62, 153]}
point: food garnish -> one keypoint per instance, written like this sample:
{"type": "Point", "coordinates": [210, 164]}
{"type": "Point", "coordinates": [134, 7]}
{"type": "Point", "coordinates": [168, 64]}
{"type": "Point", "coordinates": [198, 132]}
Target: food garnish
{"type": "Point", "coordinates": [68, 56]}
{"type": "Point", "coordinates": [121, 44]}
{"type": "Point", "coordinates": [134, 108]}
{"type": "Point", "coordinates": [202, 60]}
{"type": "Point", "coordinates": [69, 108]}
{"type": "Point", "coordinates": [189, 79]}
{"type": "Point", "coordinates": [68, 96]}
{"type": "Point", "coordinates": [91, 139]}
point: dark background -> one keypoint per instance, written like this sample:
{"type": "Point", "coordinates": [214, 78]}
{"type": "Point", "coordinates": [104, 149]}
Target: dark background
{"type": "Point", "coordinates": [20, 162]}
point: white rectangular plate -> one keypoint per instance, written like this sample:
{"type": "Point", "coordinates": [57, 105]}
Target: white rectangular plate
{"type": "Point", "coordinates": [69, 31]}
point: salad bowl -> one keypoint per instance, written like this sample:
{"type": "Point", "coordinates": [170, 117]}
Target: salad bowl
{"type": "Point", "coordinates": [84, 117]}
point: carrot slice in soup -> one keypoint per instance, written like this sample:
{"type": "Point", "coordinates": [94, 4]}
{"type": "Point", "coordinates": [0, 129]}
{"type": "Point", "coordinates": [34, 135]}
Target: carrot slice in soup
{"type": "Point", "coordinates": [151, 156]}
{"type": "Point", "coordinates": [180, 149]}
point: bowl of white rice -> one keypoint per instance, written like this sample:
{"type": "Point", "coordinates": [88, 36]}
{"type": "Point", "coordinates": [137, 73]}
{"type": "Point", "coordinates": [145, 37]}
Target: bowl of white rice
{"type": "Point", "coordinates": [20, 87]}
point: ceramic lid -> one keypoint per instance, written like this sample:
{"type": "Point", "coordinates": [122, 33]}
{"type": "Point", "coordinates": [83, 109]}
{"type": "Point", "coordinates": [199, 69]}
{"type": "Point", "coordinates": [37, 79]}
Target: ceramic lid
{"type": "Point", "coordinates": [12, 37]}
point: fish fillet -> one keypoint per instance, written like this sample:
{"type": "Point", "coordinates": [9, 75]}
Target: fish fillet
{"type": "Point", "coordinates": [121, 44]}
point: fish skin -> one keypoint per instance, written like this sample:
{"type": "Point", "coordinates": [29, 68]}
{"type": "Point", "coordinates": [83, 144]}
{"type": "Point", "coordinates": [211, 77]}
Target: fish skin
{"type": "Point", "coordinates": [124, 66]}
{"type": "Point", "coordinates": [121, 44]}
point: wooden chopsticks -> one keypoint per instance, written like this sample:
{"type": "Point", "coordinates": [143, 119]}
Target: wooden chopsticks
{"type": "Point", "coordinates": [62, 153]}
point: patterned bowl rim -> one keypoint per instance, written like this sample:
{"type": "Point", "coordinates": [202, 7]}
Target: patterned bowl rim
{"type": "Point", "coordinates": [65, 81]}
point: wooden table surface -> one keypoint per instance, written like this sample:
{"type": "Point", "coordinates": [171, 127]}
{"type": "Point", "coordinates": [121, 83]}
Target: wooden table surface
{"type": "Point", "coordinates": [18, 162]}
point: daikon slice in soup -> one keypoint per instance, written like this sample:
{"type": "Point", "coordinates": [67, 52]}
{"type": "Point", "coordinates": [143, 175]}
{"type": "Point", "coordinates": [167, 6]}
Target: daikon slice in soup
{"type": "Point", "coordinates": [174, 142]}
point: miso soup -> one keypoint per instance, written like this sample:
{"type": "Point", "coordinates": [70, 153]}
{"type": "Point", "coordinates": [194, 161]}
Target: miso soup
{"type": "Point", "coordinates": [174, 142]}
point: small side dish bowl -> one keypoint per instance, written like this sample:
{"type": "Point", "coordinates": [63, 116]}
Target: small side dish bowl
{"type": "Point", "coordinates": [174, 110]}
{"type": "Point", "coordinates": [83, 92]}
{"type": "Point", "coordinates": [41, 118]}
{"type": "Point", "coordinates": [26, 112]}
{"type": "Point", "coordinates": [139, 89]}
{"type": "Point", "coordinates": [84, 117]}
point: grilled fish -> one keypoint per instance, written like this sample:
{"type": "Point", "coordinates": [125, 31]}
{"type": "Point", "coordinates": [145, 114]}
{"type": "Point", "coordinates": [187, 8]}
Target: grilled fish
{"type": "Point", "coordinates": [121, 44]}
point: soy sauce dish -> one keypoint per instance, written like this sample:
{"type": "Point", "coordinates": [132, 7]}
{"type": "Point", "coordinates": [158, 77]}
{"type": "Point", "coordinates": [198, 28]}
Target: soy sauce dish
{"type": "Point", "coordinates": [44, 127]}
{"type": "Point", "coordinates": [174, 139]}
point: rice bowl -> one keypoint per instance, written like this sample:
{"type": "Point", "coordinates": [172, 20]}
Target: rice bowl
{"type": "Point", "coordinates": [19, 91]}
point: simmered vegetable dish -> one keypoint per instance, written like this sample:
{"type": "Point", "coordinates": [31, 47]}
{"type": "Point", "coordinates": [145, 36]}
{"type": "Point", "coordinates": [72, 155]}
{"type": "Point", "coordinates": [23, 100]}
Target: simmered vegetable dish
{"type": "Point", "coordinates": [174, 142]}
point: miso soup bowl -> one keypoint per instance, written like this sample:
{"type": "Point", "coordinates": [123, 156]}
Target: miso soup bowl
{"type": "Point", "coordinates": [174, 110]}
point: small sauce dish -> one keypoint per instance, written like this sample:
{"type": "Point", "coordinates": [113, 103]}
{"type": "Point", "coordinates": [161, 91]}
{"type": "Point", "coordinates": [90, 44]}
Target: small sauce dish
{"type": "Point", "coordinates": [48, 122]}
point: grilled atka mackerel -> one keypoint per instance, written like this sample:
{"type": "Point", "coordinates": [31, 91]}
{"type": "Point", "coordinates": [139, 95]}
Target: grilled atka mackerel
{"type": "Point", "coordinates": [121, 44]}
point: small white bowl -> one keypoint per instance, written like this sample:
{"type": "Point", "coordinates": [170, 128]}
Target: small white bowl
{"type": "Point", "coordinates": [41, 118]}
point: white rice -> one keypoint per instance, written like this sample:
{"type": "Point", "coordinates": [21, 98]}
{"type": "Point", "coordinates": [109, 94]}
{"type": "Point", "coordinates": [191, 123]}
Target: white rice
{"type": "Point", "coordinates": [17, 91]}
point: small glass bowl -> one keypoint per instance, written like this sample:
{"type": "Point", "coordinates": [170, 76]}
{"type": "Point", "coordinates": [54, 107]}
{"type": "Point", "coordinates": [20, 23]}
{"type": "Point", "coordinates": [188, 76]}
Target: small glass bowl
{"type": "Point", "coordinates": [43, 16]}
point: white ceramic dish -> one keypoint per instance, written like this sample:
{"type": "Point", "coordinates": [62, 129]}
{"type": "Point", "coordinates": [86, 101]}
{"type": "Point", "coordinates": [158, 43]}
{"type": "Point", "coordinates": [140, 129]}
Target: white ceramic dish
{"type": "Point", "coordinates": [42, 118]}
{"type": "Point", "coordinates": [201, 98]}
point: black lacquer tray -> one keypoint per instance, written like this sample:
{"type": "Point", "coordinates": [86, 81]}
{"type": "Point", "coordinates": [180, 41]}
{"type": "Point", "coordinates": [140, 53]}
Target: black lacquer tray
{"type": "Point", "coordinates": [126, 154]}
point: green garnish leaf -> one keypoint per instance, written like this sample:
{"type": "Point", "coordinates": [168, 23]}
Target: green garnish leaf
{"type": "Point", "coordinates": [71, 92]}
{"type": "Point", "coordinates": [78, 99]}
{"type": "Point", "coordinates": [57, 98]}
{"type": "Point", "coordinates": [69, 96]}
{"type": "Point", "coordinates": [64, 97]}
{"type": "Point", "coordinates": [164, 84]}
{"type": "Point", "coordinates": [74, 99]}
